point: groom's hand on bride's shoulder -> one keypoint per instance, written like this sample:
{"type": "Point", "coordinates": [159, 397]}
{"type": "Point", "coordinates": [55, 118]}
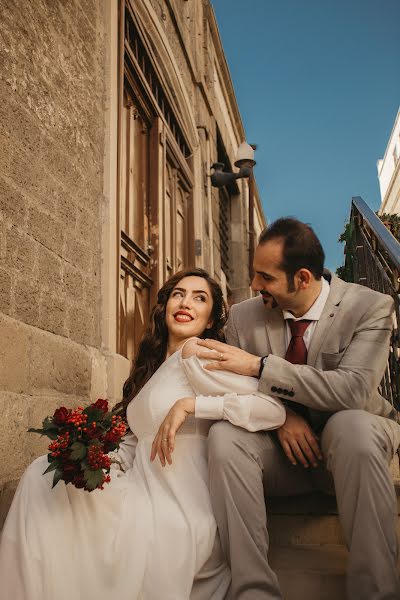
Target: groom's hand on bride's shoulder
{"type": "Point", "coordinates": [228, 358]}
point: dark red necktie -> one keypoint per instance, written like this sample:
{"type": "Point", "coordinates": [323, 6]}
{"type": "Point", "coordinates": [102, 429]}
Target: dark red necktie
{"type": "Point", "coordinates": [297, 354]}
{"type": "Point", "coordinates": [297, 350]}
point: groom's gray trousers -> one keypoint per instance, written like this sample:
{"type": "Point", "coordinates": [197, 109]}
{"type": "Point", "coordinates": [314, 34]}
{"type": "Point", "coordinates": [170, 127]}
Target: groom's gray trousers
{"type": "Point", "coordinates": [357, 448]}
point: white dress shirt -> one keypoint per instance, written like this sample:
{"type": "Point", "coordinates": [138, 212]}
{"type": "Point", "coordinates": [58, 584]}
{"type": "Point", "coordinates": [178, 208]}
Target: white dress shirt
{"type": "Point", "coordinates": [313, 314]}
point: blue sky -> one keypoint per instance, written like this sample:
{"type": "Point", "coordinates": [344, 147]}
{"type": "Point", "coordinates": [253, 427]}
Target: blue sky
{"type": "Point", "coordinates": [318, 88]}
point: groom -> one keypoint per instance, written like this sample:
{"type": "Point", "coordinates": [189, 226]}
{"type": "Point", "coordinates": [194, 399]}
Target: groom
{"type": "Point", "coordinates": [321, 345]}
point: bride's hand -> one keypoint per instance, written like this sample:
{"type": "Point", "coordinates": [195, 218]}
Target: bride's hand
{"type": "Point", "coordinates": [164, 442]}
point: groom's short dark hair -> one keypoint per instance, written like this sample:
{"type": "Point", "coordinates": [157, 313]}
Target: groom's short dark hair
{"type": "Point", "coordinates": [301, 247]}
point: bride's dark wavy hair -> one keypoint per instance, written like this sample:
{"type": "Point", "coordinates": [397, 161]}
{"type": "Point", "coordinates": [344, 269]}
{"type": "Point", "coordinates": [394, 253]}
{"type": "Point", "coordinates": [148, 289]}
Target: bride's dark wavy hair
{"type": "Point", "coordinates": [152, 349]}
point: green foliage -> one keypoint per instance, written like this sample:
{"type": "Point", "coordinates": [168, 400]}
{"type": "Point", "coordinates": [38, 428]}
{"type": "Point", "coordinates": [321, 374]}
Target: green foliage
{"type": "Point", "coordinates": [346, 272]}
{"type": "Point", "coordinates": [50, 433]}
{"type": "Point", "coordinates": [392, 222]}
{"type": "Point", "coordinates": [78, 451]}
{"type": "Point", "coordinates": [57, 477]}
{"type": "Point", "coordinates": [93, 478]}
{"type": "Point", "coordinates": [52, 467]}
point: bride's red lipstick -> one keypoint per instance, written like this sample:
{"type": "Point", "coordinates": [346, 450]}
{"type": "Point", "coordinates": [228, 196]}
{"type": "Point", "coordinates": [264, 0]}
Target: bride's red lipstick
{"type": "Point", "coordinates": [183, 313]}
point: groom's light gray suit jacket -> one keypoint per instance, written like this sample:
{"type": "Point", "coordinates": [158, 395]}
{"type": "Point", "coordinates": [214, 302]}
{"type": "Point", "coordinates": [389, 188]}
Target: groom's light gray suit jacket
{"type": "Point", "coordinates": [346, 358]}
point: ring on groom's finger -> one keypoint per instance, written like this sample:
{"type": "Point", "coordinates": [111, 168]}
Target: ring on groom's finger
{"type": "Point", "coordinates": [221, 356]}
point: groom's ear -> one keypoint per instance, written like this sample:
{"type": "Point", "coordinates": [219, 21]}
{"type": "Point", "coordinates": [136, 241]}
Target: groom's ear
{"type": "Point", "coordinates": [304, 277]}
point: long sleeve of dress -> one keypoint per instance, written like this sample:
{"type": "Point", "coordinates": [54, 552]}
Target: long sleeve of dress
{"type": "Point", "coordinates": [222, 395]}
{"type": "Point", "coordinates": [127, 450]}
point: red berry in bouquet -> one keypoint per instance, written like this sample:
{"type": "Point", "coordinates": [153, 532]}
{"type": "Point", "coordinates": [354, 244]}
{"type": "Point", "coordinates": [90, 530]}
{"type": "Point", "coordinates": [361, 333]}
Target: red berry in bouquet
{"type": "Point", "coordinates": [81, 440]}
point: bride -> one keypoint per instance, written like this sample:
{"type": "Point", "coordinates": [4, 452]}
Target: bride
{"type": "Point", "coordinates": [150, 534]}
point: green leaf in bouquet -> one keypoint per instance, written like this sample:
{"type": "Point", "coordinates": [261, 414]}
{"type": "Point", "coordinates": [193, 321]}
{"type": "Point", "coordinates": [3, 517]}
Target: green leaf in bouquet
{"type": "Point", "coordinates": [93, 478]}
{"type": "Point", "coordinates": [49, 424]}
{"type": "Point", "coordinates": [93, 414]}
{"type": "Point", "coordinates": [33, 430]}
{"type": "Point", "coordinates": [48, 432]}
{"type": "Point", "coordinates": [78, 451]}
{"type": "Point", "coordinates": [52, 467]}
{"type": "Point", "coordinates": [106, 423]}
{"type": "Point", "coordinates": [57, 477]}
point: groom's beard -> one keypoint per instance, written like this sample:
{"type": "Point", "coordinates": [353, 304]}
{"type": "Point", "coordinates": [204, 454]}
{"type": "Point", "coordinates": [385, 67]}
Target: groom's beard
{"type": "Point", "coordinates": [269, 301]}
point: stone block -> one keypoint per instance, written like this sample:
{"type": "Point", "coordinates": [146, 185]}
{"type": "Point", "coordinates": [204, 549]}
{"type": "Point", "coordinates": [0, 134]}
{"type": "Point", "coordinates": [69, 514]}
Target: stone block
{"type": "Point", "coordinates": [58, 364]}
{"type": "Point", "coordinates": [5, 291]}
{"type": "Point", "coordinates": [78, 253]}
{"type": "Point", "coordinates": [49, 269]}
{"type": "Point", "coordinates": [26, 169]}
{"type": "Point", "coordinates": [14, 440]}
{"type": "Point", "coordinates": [99, 383]}
{"type": "Point", "coordinates": [73, 283]}
{"type": "Point", "coordinates": [52, 313]}
{"type": "Point", "coordinates": [46, 230]}
{"type": "Point", "coordinates": [80, 324]}
{"type": "Point", "coordinates": [118, 369]}
{"type": "Point", "coordinates": [66, 210]}
{"type": "Point", "coordinates": [92, 295]}
{"type": "Point", "coordinates": [87, 228]}
{"type": "Point", "coordinates": [13, 204]}
{"type": "Point", "coordinates": [26, 301]}
{"type": "Point", "coordinates": [19, 252]}
{"type": "Point", "coordinates": [292, 530]}
{"type": "Point", "coordinates": [14, 356]}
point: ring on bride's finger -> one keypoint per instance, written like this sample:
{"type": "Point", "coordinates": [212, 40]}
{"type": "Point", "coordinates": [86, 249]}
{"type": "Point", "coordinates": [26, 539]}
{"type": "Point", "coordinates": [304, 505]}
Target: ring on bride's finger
{"type": "Point", "coordinates": [164, 439]}
{"type": "Point", "coordinates": [221, 356]}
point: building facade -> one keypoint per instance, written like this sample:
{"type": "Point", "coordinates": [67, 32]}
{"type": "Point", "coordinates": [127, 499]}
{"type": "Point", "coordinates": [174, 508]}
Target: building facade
{"type": "Point", "coordinates": [389, 172]}
{"type": "Point", "coordinates": [111, 115]}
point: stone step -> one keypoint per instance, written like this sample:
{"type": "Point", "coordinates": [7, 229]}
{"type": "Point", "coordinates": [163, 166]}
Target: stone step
{"type": "Point", "coordinates": [308, 519]}
{"type": "Point", "coordinates": [310, 572]}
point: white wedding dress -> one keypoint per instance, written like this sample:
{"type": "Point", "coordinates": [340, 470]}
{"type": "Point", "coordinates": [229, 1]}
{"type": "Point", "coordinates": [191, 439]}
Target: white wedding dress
{"type": "Point", "coordinates": [150, 533]}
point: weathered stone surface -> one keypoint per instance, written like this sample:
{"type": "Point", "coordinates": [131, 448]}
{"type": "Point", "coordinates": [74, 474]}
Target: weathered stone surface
{"type": "Point", "coordinates": [58, 364]}
{"type": "Point", "coordinates": [26, 301]}
{"type": "Point", "coordinates": [14, 356]}
{"type": "Point", "coordinates": [81, 327]}
{"type": "Point", "coordinates": [51, 119]}
{"type": "Point", "coordinates": [5, 291]}
{"type": "Point", "coordinates": [47, 231]}
{"type": "Point", "coordinates": [14, 441]}
{"type": "Point", "coordinates": [73, 283]}
{"type": "Point", "coordinates": [37, 362]}
{"type": "Point", "coordinates": [52, 313]}
{"type": "Point", "coordinates": [13, 204]}
{"type": "Point", "coordinates": [20, 252]}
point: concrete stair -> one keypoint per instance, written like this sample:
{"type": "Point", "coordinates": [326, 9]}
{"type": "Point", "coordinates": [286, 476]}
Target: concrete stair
{"type": "Point", "coordinates": [307, 548]}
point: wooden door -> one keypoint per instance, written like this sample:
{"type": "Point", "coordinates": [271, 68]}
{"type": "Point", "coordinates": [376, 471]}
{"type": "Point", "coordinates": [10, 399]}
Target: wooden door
{"type": "Point", "coordinates": [135, 222]}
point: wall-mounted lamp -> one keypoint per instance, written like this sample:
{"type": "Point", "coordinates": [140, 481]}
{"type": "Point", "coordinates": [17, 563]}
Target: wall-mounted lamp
{"type": "Point", "coordinates": [244, 161]}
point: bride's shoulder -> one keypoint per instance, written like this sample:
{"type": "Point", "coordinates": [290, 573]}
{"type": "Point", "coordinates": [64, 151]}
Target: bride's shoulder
{"type": "Point", "coordinates": [190, 347]}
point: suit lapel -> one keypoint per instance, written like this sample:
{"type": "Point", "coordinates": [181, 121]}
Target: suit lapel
{"type": "Point", "coordinates": [328, 316]}
{"type": "Point", "coordinates": [275, 325]}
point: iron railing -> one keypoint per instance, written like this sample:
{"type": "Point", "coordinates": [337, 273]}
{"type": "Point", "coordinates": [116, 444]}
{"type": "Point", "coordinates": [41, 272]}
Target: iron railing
{"type": "Point", "coordinates": [374, 254]}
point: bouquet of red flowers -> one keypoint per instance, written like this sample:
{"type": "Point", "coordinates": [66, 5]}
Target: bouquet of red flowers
{"type": "Point", "coordinates": [81, 440]}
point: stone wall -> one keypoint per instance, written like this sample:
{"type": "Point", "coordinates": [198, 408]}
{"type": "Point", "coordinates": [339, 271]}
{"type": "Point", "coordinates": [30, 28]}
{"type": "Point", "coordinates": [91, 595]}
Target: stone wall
{"type": "Point", "coordinates": [51, 182]}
